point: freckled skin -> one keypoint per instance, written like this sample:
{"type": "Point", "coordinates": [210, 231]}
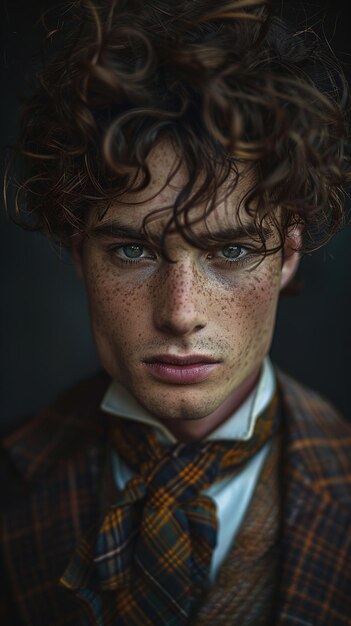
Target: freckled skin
{"type": "Point", "coordinates": [198, 304]}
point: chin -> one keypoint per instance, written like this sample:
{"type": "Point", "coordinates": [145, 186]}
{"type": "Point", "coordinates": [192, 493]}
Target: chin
{"type": "Point", "coordinates": [181, 405]}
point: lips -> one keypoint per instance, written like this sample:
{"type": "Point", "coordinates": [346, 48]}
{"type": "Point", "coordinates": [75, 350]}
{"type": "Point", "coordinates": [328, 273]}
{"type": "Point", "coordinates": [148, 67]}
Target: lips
{"type": "Point", "coordinates": [181, 360]}
{"type": "Point", "coordinates": [181, 370]}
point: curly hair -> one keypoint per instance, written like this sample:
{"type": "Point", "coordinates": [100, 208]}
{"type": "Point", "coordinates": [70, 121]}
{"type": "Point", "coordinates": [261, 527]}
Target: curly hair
{"type": "Point", "coordinates": [225, 83]}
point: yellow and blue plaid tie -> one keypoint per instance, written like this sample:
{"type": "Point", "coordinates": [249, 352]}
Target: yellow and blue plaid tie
{"type": "Point", "coordinates": [151, 557]}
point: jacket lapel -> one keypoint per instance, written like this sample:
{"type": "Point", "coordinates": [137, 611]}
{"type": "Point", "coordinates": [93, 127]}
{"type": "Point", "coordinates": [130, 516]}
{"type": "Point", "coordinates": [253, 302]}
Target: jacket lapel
{"type": "Point", "coordinates": [315, 582]}
{"type": "Point", "coordinates": [316, 559]}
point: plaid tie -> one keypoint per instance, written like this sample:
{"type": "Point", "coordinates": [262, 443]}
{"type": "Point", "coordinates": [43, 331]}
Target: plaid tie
{"type": "Point", "coordinates": [155, 545]}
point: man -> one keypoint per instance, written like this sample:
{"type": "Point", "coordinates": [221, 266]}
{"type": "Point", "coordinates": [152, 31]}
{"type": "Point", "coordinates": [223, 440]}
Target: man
{"type": "Point", "coordinates": [187, 155]}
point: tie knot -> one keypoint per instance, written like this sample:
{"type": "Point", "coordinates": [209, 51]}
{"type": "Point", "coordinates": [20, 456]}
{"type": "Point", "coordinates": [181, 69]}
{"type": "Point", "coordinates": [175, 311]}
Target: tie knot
{"type": "Point", "coordinates": [180, 472]}
{"type": "Point", "coordinates": [183, 471]}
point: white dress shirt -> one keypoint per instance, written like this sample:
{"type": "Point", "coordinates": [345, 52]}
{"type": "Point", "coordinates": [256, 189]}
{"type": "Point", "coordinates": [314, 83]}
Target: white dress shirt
{"type": "Point", "coordinates": [231, 495]}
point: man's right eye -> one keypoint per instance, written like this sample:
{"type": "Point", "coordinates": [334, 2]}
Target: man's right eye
{"type": "Point", "coordinates": [131, 252]}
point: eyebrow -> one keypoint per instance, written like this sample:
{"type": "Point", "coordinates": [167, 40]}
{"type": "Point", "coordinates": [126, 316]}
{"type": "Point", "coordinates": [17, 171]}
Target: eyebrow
{"type": "Point", "coordinates": [114, 229]}
{"type": "Point", "coordinates": [229, 234]}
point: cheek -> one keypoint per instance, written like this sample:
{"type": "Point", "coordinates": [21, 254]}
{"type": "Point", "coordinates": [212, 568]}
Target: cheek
{"type": "Point", "coordinates": [116, 312]}
{"type": "Point", "coordinates": [249, 313]}
{"type": "Point", "coordinates": [116, 321]}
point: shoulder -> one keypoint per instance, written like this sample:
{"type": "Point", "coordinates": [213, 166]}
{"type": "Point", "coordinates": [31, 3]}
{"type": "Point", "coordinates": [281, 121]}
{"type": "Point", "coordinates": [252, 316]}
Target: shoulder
{"type": "Point", "coordinates": [311, 413]}
{"type": "Point", "coordinates": [58, 433]}
{"type": "Point", "coordinates": [53, 470]}
{"type": "Point", "coordinates": [317, 439]}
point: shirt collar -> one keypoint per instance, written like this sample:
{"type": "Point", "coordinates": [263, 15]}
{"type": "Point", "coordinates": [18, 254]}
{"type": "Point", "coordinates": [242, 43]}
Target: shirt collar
{"type": "Point", "coordinates": [239, 426]}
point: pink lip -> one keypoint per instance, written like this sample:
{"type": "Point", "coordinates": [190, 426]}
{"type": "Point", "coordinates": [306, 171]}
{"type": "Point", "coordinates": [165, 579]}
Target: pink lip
{"type": "Point", "coordinates": [181, 370]}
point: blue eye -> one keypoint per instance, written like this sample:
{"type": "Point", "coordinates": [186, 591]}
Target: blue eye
{"type": "Point", "coordinates": [131, 253]}
{"type": "Point", "coordinates": [234, 252]}
{"type": "Point", "coordinates": [133, 250]}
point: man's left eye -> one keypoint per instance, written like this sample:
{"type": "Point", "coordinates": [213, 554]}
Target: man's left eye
{"type": "Point", "coordinates": [233, 252]}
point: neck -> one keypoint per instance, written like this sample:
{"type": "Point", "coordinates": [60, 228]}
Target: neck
{"type": "Point", "coordinates": [187, 431]}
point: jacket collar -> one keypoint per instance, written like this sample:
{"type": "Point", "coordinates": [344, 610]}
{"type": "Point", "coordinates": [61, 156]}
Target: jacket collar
{"type": "Point", "coordinates": [59, 431]}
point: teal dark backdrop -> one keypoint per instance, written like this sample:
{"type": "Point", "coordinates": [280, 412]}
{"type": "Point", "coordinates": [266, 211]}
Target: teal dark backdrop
{"type": "Point", "coordinates": [45, 337]}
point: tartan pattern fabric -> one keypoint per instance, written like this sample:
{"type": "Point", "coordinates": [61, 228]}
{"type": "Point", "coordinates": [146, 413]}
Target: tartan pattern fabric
{"type": "Point", "coordinates": [316, 536]}
{"type": "Point", "coordinates": [155, 545]}
{"type": "Point", "coordinates": [245, 590]}
{"type": "Point", "coordinates": [55, 475]}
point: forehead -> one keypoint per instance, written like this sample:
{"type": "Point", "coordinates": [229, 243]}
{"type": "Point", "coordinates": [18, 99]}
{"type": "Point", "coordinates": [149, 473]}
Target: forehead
{"type": "Point", "coordinates": [168, 178]}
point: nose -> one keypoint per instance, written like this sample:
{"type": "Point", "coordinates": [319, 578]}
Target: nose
{"type": "Point", "coordinates": [180, 307]}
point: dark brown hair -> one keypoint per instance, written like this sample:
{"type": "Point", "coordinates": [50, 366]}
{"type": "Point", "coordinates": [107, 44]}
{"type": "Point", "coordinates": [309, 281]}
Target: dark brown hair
{"type": "Point", "coordinates": [224, 82]}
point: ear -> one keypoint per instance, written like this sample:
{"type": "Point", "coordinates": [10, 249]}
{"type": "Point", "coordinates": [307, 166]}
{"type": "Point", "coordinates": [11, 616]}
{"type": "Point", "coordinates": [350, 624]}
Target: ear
{"type": "Point", "coordinates": [291, 255]}
{"type": "Point", "coordinates": [77, 251]}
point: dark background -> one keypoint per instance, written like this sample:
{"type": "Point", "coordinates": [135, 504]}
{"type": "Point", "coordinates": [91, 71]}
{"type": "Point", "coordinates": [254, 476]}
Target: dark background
{"type": "Point", "coordinates": [45, 337]}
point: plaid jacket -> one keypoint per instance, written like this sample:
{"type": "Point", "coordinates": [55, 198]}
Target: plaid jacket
{"type": "Point", "coordinates": [53, 471]}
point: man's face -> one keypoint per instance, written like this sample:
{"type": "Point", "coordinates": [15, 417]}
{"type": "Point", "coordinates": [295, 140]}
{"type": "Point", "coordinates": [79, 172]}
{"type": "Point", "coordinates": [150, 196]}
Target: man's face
{"type": "Point", "coordinates": [182, 337]}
